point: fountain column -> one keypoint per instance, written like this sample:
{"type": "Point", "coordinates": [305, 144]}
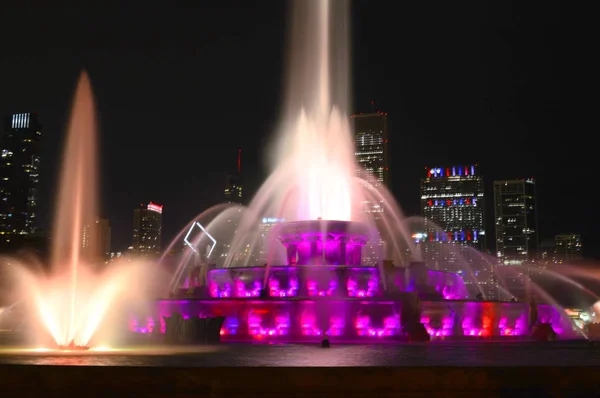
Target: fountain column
{"type": "Point", "coordinates": [314, 252]}
{"type": "Point", "coordinates": [292, 253]}
{"type": "Point", "coordinates": [342, 256]}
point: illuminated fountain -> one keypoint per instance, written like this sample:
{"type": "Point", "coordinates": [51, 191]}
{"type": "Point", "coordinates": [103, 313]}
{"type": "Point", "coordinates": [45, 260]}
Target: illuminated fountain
{"type": "Point", "coordinates": [292, 266]}
{"type": "Point", "coordinates": [71, 301]}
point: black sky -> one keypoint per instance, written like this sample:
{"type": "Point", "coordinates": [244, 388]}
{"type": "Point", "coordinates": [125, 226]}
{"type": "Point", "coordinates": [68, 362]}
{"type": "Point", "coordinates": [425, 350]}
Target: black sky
{"type": "Point", "coordinates": [181, 85]}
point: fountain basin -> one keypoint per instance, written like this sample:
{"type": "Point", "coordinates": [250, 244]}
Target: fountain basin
{"type": "Point", "coordinates": [353, 319]}
{"type": "Point", "coordinates": [73, 347]}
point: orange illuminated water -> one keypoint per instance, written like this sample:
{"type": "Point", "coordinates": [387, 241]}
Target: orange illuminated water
{"type": "Point", "coordinates": [73, 299]}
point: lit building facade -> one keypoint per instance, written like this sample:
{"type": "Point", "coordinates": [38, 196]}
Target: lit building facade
{"type": "Point", "coordinates": [19, 177]}
{"type": "Point", "coordinates": [452, 204]}
{"type": "Point", "coordinates": [371, 143]}
{"type": "Point", "coordinates": [516, 221]}
{"type": "Point", "coordinates": [147, 228]}
{"type": "Point", "coordinates": [567, 248]}
{"type": "Point", "coordinates": [264, 243]}
{"type": "Point", "coordinates": [370, 131]}
{"type": "Point", "coordinates": [96, 240]}
{"type": "Point", "coordinates": [233, 183]}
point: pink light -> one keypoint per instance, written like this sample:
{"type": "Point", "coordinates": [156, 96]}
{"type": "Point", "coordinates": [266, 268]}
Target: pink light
{"type": "Point", "coordinates": [241, 291]}
{"type": "Point", "coordinates": [354, 291]}
{"type": "Point", "coordinates": [309, 325]}
{"type": "Point", "coordinates": [313, 290]}
{"type": "Point", "coordinates": [276, 291]}
{"type": "Point", "coordinates": [363, 326]}
{"type": "Point", "coordinates": [230, 327]}
{"type": "Point", "coordinates": [155, 207]}
{"type": "Point", "coordinates": [216, 291]}
{"type": "Point", "coordinates": [256, 329]}
{"type": "Point", "coordinates": [446, 329]}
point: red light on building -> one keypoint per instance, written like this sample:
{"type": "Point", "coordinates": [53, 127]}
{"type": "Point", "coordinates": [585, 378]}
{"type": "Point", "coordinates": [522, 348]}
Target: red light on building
{"type": "Point", "coordinates": [155, 207]}
{"type": "Point", "coordinates": [447, 171]}
{"type": "Point", "coordinates": [466, 171]}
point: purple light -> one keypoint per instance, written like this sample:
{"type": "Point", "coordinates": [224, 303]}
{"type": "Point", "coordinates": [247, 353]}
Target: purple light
{"type": "Point", "coordinates": [391, 326]}
{"type": "Point", "coordinates": [275, 289]}
{"type": "Point", "coordinates": [516, 329]}
{"type": "Point", "coordinates": [230, 326]}
{"type": "Point", "coordinates": [216, 291]}
{"type": "Point", "coordinates": [445, 330]}
{"type": "Point", "coordinates": [370, 291]}
{"type": "Point", "coordinates": [241, 291]}
{"type": "Point", "coordinates": [310, 328]}
{"type": "Point", "coordinates": [256, 329]}
{"type": "Point", "coordinates": [313, 290]}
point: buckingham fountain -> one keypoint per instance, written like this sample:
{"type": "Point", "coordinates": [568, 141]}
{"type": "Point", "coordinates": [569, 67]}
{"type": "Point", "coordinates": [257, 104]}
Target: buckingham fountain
{"type": "Point", "coordinates": [338, 261]}
{"type": "Point", "coordinates": [311, 274]}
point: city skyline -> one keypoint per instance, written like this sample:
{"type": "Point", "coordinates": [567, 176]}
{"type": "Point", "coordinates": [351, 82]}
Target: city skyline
{"type": "Point", "coordinates": [433, 119]}
{"type": "Point", "coordinates": [570, 249]}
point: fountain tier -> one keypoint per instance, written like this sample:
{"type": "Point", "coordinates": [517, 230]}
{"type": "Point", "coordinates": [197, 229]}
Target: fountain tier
{"type": "Point", "coordinates": [323, 242]}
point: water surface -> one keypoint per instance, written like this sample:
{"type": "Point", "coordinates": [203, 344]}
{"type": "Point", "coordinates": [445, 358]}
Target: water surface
{"type": "Point", "coordinates": [432, 354]}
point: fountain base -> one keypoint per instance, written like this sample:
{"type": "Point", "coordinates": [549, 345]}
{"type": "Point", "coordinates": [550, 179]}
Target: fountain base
{"type": "Point", "coordinates": [73, 347]}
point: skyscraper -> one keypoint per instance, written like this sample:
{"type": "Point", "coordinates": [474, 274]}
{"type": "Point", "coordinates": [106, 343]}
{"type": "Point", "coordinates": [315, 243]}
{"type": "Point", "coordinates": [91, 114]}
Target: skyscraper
{"type": "Point", "coordinates": [371, 141]}
{"type": "Point", "coordinates": [370, 132]}
{"type": "Point", "coordinates": [19, 177]}
{"type": "Point", "coordinates": [567, 248]}
{"type": "Point", "coordinates": [147, 226]}
{"type": "Point", "coordinates": [233, 182]}
{"type": "Point", "coordinates": [96, 240]}
{"type": "Point", "coordinates": [452, 204]}
{"type": "Point", "coordinates": [516, 221]}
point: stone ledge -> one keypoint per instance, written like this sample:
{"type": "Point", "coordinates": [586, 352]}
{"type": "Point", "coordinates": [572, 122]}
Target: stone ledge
{"type": "Point", "coordinates": [24, 380]}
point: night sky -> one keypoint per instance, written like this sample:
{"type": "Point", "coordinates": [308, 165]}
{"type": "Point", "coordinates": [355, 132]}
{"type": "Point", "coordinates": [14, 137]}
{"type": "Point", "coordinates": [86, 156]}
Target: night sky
{"type": "Point", "coordinates": [181, 85]}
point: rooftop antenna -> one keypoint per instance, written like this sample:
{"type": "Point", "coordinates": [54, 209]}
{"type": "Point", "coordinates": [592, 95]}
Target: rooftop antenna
{"type": "Point", "coordinates": [239, 161]}
{"type": "Point", "coordinates": [373, 106]}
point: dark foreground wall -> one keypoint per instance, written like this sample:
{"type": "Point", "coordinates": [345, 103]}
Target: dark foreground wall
{"type": "Point", "coordinates": [372, 382]}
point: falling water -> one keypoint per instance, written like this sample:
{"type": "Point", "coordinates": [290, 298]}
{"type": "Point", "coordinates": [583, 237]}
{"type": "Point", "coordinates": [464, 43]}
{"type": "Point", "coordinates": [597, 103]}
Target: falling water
{"type": "Point", "coordinates": [74, 298]}
{"type": "Point", "coordinates": [76, 210]}
{"type": "Point", "coordinates": [315, 145]}
{"type": "Point", "coordinates": [314, 170]}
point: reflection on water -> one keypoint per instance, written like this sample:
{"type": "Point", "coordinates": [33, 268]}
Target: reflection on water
{"type": "Point", "coordinates": [432, 354]}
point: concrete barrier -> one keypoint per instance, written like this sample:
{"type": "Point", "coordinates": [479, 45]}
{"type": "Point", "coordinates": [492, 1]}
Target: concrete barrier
{"type": "Point", "coordinates": [374, 382]}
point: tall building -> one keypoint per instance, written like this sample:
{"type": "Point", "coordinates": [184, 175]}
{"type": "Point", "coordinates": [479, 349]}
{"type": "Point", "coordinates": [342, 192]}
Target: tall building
{"type": "Point", "coordinates": [567, 248]}
{"type": "Point", "coordinates": [371, 141]}
{"type": "Point", "coordinates": [233, 183]}
{"type": "Point", "coordinates": [452, 205]}
{"type": "Point", "coordinates": [19, 177]}
{"type": "Point", "coordinates": [96, 240]}
{"type": "Point", "coordinates": [264, 249]}
{"type": "Point", "coordinates": [516, 221]}
{"type": "Point", "coordinates": [370, 131]}
{"type": "Point", "coordinates": [147, 226]}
